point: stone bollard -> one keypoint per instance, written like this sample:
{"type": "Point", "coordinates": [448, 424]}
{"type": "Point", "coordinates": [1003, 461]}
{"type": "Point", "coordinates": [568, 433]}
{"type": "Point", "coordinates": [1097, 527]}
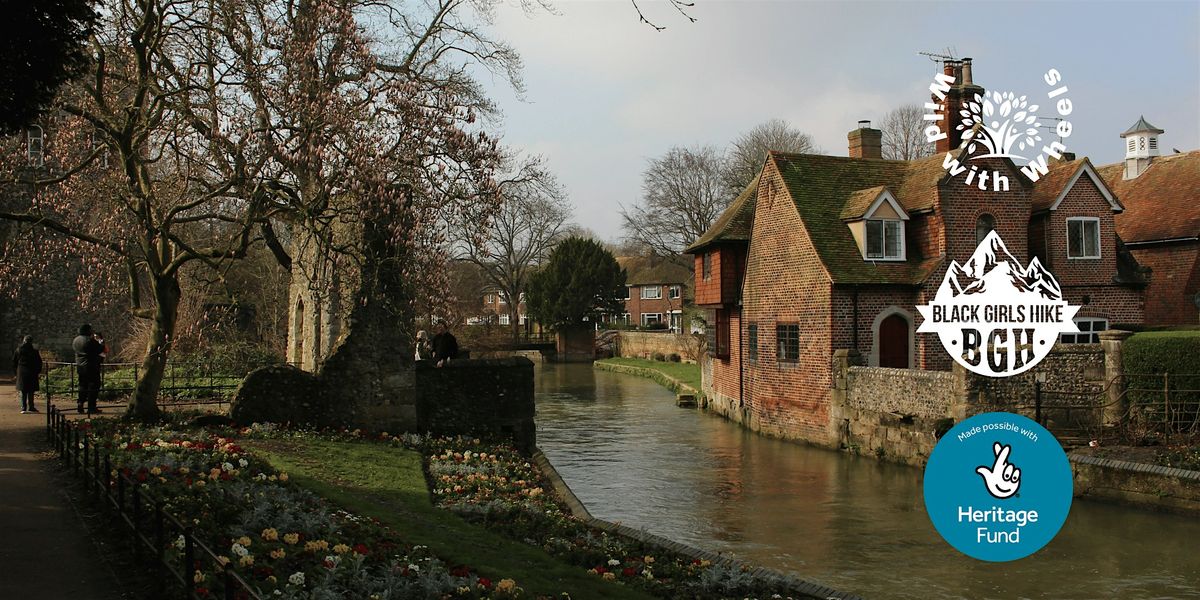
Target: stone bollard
{"type": "Point", "coordinates": [1116, 403]}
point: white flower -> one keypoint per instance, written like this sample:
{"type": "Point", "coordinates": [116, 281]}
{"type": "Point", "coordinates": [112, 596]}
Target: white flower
{"type": "Point", "coordinates": [227, 466]}
{"type": "Point", "coordinates": [296, 578]}
{"type": "Point", "coordinates": [240, 550]}
{"type": "Point", "coordinates": [612, 562]}
{"type": "Point", "coordinates": [243, 462]}
{"type": "Point", "coordinates": [414, 568]}
{"type": "Point", "coordinates": [180, 542]}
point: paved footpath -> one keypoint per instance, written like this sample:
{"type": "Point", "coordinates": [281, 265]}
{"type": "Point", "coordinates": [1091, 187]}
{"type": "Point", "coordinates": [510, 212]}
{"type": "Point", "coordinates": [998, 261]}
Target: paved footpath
{"type": "Point", "coordinates": [44, 550]}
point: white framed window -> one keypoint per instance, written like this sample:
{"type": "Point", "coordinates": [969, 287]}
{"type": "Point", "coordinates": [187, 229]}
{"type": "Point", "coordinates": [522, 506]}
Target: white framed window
{"type": "Point", "coordinates": [524, 318]}
{"type": "Point", "coordinates": [1083, 237]}
{"type": "Point", "coordinates": [1089, 331]}
{"type": "Point", "coordinates": [674, 292]}
{"type": "Point", "coordinates": [885, 239]}
{"type": "Point", "coordinates": [501, 299]}
{"type": "Point", "coordinates": [625, 318]}
{"type": "Point", "coordinates": [504, 320]}
{"type": "Point", "coordinates": [489, 299]}
{"type": "Point", "coordinates": [648, 318]}
{"type": "Point", "coordinates": [651, 292]}
{"type": "Point", "coordinates": [35, 146]}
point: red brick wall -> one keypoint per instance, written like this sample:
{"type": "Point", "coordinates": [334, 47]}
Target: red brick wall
{"type": "Point", "coordinates": [635, 305]}
{"type": "Point", "coordinates": [725, 275]}
{"type": "Point", "coordinates": [1083, 200]}
{"type": "Point", "coordinates": [787, 284]}
{"type": "Point", "coordinates": [1174, 281]}
{"type": "Point", "coordinates": [725, 377]}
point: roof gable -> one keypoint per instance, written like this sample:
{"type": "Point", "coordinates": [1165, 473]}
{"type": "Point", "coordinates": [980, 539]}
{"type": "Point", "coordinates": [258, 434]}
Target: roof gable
{"type": "Point", "coordinates": [1163, 203]}
{"type": "Point", "coordinates": [734, 224]}
{"type": "Point", "coordinates": [1050, 189]}
{"type": "Point", "coordinates": [863, 204]}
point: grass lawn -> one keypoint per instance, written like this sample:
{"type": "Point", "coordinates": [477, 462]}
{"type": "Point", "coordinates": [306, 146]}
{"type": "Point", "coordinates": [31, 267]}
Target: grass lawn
{"type": "Point", "coordinates": [388, 484]}
{"type": "Point", "coordinates": [688, 373]}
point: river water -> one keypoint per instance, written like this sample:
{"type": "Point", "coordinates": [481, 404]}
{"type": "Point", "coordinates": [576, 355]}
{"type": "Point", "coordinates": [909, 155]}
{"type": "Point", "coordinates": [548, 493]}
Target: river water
{"type": "Point", "coordinates": [847, 522]}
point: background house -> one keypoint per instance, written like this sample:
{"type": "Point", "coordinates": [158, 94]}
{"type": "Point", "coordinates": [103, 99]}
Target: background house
{"type": "Point", "coordinates": [657, 290]}
{"type": "Point", "coordinates": [1161, 222]}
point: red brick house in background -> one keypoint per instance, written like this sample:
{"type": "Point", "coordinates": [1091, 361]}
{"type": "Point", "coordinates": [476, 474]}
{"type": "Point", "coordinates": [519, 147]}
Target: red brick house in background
{"type": "Point", "coordinates": [824, 253]}
{"type": "Point", "coordinates": [495, 310]}
{"type": "Point", "coordinates": [656, 290]}
{"type": "Point", "coordinates": [1161, 222]}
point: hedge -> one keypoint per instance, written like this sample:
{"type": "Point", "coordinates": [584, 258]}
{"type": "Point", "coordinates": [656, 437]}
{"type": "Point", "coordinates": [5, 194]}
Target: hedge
{"type": "Point", "coordinates": [1147, 356]}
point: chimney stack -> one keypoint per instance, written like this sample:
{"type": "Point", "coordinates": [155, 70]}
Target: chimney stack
{"type": "Point", "coordinates": [962, 91]}
{"type": "Point", "coordinates": [865, 142]}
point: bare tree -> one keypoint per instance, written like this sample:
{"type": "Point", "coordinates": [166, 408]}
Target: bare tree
{"type": "Point", "coordinates": [519, 237]}
{"type": "Point", "coordinates": [903, 133]}
{"type": "Point", "coordinates": [748, 152]}
{"type": "Point", "coordinates": [682, 194]}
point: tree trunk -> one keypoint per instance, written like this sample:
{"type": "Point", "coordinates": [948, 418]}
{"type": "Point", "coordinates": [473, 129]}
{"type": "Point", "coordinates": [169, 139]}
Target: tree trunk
{"type": "Point", "coordinates": [143, 406]}
{"type": "Point", "coordinates": [514, 320]}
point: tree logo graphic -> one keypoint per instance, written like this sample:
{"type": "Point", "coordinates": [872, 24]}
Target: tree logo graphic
{"type": "Point", "coordinates": [1005, 120]}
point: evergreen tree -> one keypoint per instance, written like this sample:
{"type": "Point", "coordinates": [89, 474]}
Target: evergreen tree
{"type": "Point", "coordinates": [582, 280]}
{"type": "Point", "coordinates": [44, 44]}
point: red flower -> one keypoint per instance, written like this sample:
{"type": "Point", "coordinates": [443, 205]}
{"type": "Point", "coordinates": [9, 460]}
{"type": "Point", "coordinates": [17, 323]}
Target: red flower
{"type": "Point", "coordinates": [628, 571]}
{"type": "Point", "coordinates": [361, 549]}
{"type": "Point", "coordinates": [201, 592]}
{"type": "Point", "coordinates": [485, 582]}
{"type": "Point", "coordinates": [460, 571]}
{"type": "Point", "coordinates": [601, 570]}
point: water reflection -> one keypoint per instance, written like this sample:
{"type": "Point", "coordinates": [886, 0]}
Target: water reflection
{"type": "Point", "coordinates": [850, 523]}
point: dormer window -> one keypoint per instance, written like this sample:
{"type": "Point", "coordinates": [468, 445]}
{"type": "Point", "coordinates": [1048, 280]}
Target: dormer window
{"type": "Point", "coordinates": [885, 239]}
{"type": "Point", "coordinates": [876, 221]}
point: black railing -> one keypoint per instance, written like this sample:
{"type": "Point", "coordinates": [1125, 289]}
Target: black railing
{"type": "Point", "coordinates": [150, 526]}
{"type": "Point", "coordinates": [183, 383]}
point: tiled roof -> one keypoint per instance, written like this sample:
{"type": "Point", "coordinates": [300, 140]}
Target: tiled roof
{"type": "Point", "coordinates": [646, 270]}
{"type": "Point", "coordinates": [821, 186]}
{"type": "Point", "coordinates": [734, 224]}
{"type": "Point", "coordinates": [860, 201]}
{"type": "Point", "coordinates": [1141, 125]}
{"type": "Point", "coordinates": [1050, 185]}
{"type": "Point", "coordinates": [1160, 204]}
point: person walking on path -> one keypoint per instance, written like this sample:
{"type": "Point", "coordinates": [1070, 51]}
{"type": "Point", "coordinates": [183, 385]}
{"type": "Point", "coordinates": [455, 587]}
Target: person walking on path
{"type": "Point", "coordinates": [27, 362]}
{"type": "Point", "coordinates": [445, 346]}
{"type": "Point", "coordinates": [88, 356]}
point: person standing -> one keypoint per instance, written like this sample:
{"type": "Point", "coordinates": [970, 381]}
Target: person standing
{"type": "Point", "coordinates": [88, 356]}
{"type": "Point", "coordinates": [27, 362]}
{"type": "Point", "coordinates": [445, 347]}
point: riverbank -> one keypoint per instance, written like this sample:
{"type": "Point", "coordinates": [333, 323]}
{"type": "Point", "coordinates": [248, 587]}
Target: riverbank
{"type": "Point", "coordinates": [681, 378]}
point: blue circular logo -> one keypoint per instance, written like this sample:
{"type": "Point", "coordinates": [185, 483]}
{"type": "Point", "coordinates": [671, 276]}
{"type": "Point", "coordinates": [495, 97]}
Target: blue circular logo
{"type": "Point", "coordinates": [998, 487]}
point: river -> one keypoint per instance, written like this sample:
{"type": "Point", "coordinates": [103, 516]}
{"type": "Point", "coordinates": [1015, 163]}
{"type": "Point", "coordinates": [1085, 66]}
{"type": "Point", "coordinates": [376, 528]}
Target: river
{"type": "Point", "coordinates": [851, 523]}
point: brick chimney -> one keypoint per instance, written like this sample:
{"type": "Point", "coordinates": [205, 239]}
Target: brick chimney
{"type": "Point", "coordinates": [865, 142]}
{"type": "Point", "coordinates": [962, 91]}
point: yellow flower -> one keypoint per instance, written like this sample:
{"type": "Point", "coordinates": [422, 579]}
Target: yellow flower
{"type": "Point", "coordinates": [198, 577]}
{"type": "Point", "coordinates": [341, 548]}
{"type": "Point", "coordinates": [270, 534]}
{"type": "Point", "coordinates": [156, 471]}
{"type": "Point", "coordinates": [609, 576]}
{"type": "Point", "coordinates": [272, 578]}
{"type": "Point", "coordinates": [182, 470]}
{"type": "Point", "coordinates": [278, 553]}
{"type": "Point", "coordinates": [224, 560]}
{"type": "Point", "coordinates": [245, 541]}
{"type": "Point", "coordinates": [506, 586]}
{"type": "Point", "coordinates": [283, 476]}
{"type": "Point", "coordinates": [291, 538]}
{"type": "Point", "coordinates": [648, 560]}
{"type": "Point", "coordinates": [199, 483]}
{"type": "Point", "coordinates": [705, 563]}
{"type": "Point", "coordinates": [246, 560]}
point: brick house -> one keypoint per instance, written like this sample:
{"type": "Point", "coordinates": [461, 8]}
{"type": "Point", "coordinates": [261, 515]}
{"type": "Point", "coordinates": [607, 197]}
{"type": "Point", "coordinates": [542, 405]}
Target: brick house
{"type": "Point", "coordinates": [656, 290]}
{"type": "Point", "coordinates": [1161, 222]}
{"type": "Point", "coordinates": [822, 253]}
{"type": "Point", "coordinates": [494, 309]}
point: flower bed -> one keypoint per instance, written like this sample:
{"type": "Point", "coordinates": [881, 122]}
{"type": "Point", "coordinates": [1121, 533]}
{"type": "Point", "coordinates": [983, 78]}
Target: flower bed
{"type": "Point", "coordinates": [283, 540]}
{"type": "Point", "coordinates": [493, 484]}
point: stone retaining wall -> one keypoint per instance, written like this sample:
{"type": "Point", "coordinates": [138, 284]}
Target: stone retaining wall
{"type": "Point", "coordinates": [807, 589]}
{"type": "Point", "coordinates": [643, 344]}
{"type": "Point", "coordinates": [1145, 485]}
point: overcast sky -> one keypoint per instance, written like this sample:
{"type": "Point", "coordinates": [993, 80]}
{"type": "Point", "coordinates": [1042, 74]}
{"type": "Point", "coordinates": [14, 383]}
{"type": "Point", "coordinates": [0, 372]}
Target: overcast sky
{"type": "Point", "coordinates": [605, 93]}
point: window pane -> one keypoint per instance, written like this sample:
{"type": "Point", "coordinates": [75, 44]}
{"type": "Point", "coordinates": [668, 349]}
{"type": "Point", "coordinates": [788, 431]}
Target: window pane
{"type": "Point", "coordinates": [983, 226]}
{"type": "Point", "coordinates": [892, 238]}
{"type": "Point", "coordinates": [752, 341]}
{"type": "Point", "coordinates": [874, 239]}
{"type": "Point", "coordinates": [1074, 238]}
{"type": "Point", "coordinates": [1091, 238]}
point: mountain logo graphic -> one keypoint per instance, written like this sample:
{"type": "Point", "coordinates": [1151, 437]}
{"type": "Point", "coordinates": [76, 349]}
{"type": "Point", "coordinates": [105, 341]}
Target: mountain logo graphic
{"type": "Point", "coordinates": [994, 316]}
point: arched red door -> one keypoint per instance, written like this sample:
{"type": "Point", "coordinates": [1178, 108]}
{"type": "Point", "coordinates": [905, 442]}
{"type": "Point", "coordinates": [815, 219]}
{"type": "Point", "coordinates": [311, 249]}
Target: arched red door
{"type": "Point", "coordinates": [893, 342]}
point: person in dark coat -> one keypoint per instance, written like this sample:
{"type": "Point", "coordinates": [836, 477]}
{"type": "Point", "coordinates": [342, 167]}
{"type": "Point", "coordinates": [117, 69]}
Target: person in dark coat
{"type": "Point", "coordinates": [445, 346]}
{"type": "Point", "coordinates": [27, 362]}
{"type": "Point", "coordinates": [88, 356]}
